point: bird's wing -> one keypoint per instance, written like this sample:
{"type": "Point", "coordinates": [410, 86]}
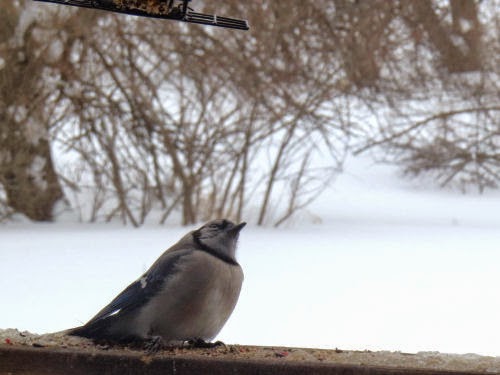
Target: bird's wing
{"type": "Point", "coordinates": [141, 291]}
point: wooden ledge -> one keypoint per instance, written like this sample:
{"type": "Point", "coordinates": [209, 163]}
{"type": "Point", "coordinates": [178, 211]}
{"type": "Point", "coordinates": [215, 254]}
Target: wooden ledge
{"type": "Point", "coordinates": [58, 354]}
{"type": "Point", "coordinates": [51, 361]}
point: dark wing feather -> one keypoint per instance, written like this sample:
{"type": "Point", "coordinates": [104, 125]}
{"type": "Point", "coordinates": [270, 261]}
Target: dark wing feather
{"type": "Point", "coordinates": [133, 297]}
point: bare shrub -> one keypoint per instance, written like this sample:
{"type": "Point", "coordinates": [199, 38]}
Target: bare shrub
{"type": "Point", "coordinates": [155, 119]}
{"type": "Point", "coordinates": [438, 115]}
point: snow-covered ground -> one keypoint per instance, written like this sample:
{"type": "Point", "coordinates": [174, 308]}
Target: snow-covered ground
{"type": "Point", "coordinates": [374, 263]}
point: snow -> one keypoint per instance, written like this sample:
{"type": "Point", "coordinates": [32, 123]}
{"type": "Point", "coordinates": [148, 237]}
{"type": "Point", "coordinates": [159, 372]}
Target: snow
{"type": "Point", "coordinates": [375, 263]}
{"type": "Point", "coordinates": [28, 16]}
{"type": "Point", "coordinates": [465, 25]}
{"type": "Point", "coordinates": [37, 171]}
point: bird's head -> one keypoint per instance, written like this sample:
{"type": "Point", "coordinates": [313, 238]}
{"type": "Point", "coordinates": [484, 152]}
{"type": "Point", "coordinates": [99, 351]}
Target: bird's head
{"type": "Point", "coordinates": [220, 236]}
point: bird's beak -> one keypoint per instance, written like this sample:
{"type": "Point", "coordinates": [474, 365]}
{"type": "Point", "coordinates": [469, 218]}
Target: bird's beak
{"type": "Point", "coordinates": [236, 229]}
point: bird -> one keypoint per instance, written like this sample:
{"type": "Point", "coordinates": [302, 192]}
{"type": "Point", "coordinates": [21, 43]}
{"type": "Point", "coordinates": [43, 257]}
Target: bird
{"type": "Point", "coordinates": [187, 295]}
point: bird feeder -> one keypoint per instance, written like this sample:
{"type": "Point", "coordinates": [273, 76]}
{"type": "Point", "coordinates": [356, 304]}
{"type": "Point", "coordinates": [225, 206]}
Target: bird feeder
{"type": "Point", "coordinates": [165, 9]}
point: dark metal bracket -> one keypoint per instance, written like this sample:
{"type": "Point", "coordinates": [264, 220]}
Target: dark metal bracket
{"type": "Point", "coordinates": [160, 9]}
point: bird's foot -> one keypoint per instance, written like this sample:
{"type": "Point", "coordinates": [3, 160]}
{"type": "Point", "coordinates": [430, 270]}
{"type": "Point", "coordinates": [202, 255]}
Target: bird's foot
{"type": "Point", "coordinates": [154, 345]}
{"type": "Point", "coordinates": [200, 343]}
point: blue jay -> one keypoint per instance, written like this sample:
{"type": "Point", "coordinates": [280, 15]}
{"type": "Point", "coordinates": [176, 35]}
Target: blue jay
{"type": "Point", "coordinates": [188, 294]}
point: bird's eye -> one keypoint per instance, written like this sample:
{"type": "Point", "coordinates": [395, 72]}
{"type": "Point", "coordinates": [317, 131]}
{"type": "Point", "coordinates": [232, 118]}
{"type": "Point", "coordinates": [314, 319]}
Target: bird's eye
{"type": "Point", "coordinates": [218, 225]}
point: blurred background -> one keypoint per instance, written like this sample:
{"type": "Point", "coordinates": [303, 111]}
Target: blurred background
{"type": "Point", "coordinates": [360, 139]}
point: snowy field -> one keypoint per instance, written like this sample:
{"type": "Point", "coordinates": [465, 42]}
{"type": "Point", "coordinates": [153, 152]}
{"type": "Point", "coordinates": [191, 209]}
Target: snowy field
{"type": "Point", "coordinates": [375, 263]}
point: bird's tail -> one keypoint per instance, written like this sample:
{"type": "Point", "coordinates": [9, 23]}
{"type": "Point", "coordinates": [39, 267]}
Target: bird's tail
{"type": "Point", "coordinates": [93, 330]}
{"type": "Point", "coordinates": [99, 331]}
{"type": "Point", "coordinates": [83, 331]}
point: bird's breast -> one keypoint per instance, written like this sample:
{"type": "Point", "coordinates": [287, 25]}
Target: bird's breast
{"type": "Point", "coordinates": [219, 295]}
{"type": "Point", "coordinates": [196, 301]}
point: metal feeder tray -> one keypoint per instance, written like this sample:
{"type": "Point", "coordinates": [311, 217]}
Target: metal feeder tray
{"type": "Point", "coordinates": [166, 9]}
